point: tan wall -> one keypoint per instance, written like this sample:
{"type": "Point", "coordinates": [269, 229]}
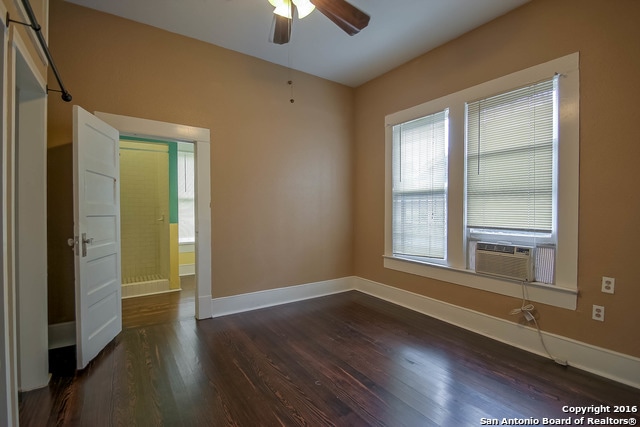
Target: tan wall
{"type": "Point", "coordinates": [281, 172]}
{"type": "Point", "coordinates": [608, 39]}
{"type": "Point", "coordinates": [61, 275]}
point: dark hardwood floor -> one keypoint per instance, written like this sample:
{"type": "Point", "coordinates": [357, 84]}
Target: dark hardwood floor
{"type": "Point", "coordinates": [343, 360]}
{"type": "Point", "coordinates": [161, 308]}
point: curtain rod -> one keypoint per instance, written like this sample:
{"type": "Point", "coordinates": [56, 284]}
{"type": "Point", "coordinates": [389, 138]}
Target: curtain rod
{"type": "Point", "coordinates": [66, 96]}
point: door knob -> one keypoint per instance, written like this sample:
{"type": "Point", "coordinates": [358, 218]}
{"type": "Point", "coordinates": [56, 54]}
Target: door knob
{"type": "Point", "coordinates": [73, 244]}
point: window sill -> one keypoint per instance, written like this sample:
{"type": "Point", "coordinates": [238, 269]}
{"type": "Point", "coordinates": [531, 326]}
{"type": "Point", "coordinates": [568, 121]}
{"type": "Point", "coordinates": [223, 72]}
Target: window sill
{"type": "Point", "coordinates": [536, 292]}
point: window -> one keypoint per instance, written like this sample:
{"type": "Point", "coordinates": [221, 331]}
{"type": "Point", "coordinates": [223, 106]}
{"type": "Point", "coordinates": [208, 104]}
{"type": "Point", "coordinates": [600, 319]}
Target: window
{"type": "Point", "coordinates": [186, 194]}
{"type": "Point", "coordinates": [507, 172]}
{"type": "Point", "coordinates": [510, 150]}
{"type": "Point", "coordinates": [420, 187]}
{"type": "Point", "coordinates": [510, 170]}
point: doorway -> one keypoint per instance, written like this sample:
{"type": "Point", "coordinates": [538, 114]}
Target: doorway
{"type": "Point", "coordinates": [23, 321]}
{"type": "Point", "coordinates": [146, 217]}
{"type": "Point", "coordinates": [27, 223]}
{"type": "Point", "coordinates": [199, 138]}
{"type": "Point", "coordinates": [157, 207]}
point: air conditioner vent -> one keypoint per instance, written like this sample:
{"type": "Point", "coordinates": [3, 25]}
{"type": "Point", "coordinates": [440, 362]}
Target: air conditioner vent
{"type": "Point", "coordinates": [509, 261]}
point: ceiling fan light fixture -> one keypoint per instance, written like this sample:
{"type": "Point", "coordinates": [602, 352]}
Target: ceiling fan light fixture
{"type": "Point", "coordinates": [347, 17]}
{"type": "Point", "coordinates": [304, 7]}
{"type": "Point", "coordinates": [282, 7]}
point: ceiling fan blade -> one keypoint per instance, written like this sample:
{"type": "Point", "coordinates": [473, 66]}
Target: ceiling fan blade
{"type": "Point", "coordinates": [343, 14]}
{"type": "Point", "coordinates": [281, 29]}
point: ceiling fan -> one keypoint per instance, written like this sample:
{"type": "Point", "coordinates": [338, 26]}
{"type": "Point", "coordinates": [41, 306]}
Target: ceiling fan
{"type": "Point", "coordinates": [346, 16]}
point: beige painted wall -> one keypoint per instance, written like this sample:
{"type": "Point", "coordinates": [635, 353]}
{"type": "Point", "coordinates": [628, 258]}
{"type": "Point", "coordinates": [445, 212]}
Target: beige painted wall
{"type": "Point", "coordinates": [280, 172]}
{"type": "Point", "coordinates": [60, 259]}
{"type": "Point", "coordinates": [607, 36]}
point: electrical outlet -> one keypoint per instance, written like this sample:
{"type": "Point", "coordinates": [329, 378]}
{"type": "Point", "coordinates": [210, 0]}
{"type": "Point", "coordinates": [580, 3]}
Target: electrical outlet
{"type": "Point", "coordinates": [608, 285]}
{"type": "Point", "coordinates": [598, 313]}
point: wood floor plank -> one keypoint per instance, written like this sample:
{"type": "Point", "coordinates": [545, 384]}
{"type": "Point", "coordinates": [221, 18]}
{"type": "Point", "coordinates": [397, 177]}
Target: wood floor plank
{"type": "Point", "coordinates": [342, 360]}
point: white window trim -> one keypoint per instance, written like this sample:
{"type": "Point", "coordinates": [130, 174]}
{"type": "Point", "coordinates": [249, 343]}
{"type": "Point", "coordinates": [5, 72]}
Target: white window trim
{"type": "Point", "coordinates": [564, 292]}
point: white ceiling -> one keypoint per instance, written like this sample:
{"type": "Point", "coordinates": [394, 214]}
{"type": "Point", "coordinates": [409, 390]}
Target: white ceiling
{"type": "Point", "coordinates": [399, 30]}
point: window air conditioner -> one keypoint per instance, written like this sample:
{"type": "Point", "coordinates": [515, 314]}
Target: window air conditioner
{"type": "Point", "coordinates": [512, 262]}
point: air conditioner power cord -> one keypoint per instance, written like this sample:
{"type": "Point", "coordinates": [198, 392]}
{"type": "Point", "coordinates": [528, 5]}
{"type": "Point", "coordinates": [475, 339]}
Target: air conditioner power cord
{"type": "Point", "coordinates": [526, 309]}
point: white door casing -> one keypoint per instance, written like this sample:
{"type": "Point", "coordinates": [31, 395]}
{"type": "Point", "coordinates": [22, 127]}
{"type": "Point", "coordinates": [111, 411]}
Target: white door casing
{"type": "Point", "coordinates": [96, 185]}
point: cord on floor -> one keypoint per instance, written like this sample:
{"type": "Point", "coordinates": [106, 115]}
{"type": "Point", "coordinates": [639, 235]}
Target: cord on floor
{"type": "Point", "coordinates": [526, 309]}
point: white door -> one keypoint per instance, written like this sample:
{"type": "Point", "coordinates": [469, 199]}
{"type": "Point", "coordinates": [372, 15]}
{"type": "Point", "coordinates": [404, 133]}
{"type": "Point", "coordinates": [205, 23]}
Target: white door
{"type": "Point", "coordinates": [96, 200]}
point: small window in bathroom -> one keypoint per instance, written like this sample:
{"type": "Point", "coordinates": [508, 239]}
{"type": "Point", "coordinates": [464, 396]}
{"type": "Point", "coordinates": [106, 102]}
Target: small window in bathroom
{"type": "Point", "coordinates": [186, 194]}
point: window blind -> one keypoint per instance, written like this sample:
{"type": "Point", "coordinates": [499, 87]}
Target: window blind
{"type": "Point", "coordinates": [419, 186]}
{"type": "Point", "coordinates": [186, 197]}
{"type": "Point", "coordinates": [510, 159]}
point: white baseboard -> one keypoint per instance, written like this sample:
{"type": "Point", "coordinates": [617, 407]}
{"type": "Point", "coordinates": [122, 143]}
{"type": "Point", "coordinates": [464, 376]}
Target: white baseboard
{"type": "Point", "coordinates": [62, 335]}
{"type": "Point", "coordinates": [204, 305]}
{"type": "Point", "coordinates": [600, 361]}
{"type": "Point", "coordinates": [255, 300]}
